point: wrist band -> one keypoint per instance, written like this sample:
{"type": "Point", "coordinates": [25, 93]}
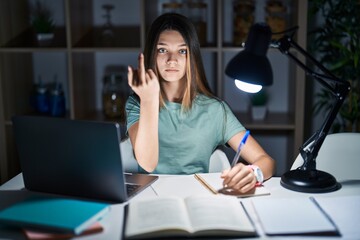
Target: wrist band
{"type": "Point", "coordinates": [258, 174]}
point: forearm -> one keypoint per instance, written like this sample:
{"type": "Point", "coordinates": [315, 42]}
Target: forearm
{"type": "Point", "coordinates": [254, 154]}
{"type": "Point", "coordinates": [145, 138]}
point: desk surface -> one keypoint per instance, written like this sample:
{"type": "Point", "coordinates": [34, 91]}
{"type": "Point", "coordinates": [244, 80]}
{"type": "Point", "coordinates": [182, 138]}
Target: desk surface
{"type": "Point", "coordinates": [9, 192]}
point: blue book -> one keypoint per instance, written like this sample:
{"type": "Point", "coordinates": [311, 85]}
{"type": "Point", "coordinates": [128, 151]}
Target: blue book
{"type": "Point", "coordinates": [54, 214]}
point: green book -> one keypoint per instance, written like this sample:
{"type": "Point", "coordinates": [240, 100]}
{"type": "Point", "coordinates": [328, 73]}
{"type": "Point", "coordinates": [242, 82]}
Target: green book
{"type": "Point", "coordinates": [54, 214]}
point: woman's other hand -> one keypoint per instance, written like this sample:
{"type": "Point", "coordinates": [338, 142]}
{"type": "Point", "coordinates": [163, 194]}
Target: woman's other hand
{"type": "Point", "coordinates": [240, 178]}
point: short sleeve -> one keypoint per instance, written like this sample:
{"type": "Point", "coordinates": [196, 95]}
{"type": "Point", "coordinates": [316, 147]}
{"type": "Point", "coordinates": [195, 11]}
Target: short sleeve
{"type": "Point", "coordinates": [231, 123]}
{"type": "Point", "coordinates": [132, 108]}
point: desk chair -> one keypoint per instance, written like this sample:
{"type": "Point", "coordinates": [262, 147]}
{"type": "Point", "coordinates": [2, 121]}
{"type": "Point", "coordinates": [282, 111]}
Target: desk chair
{"type": "Point", "coordinates": [127, 156]}
{"type": "Point", "coordinates": [218, 160]}
{"type": "Point", "coordinates": [339, 155]}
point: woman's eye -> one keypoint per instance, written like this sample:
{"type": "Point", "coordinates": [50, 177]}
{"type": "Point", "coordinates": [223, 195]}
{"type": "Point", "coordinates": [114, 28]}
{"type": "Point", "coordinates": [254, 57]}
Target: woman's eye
{"type": "Point", "coordinates": [162, 50]}
{"type": "Point", "coordinates": [183, 51]}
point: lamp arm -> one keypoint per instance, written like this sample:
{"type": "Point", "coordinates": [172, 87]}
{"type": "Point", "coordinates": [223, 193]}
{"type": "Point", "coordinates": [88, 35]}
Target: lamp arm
{"type": "Point", "coordinates": [309, 150]}
{"type": "Point", "coordinates": [284, 44]}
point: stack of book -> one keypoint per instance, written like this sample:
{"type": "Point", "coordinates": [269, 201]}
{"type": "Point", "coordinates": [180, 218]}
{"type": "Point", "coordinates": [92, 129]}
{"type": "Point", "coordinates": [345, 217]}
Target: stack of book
{"type": "Point", "coordinates": [44, 218]}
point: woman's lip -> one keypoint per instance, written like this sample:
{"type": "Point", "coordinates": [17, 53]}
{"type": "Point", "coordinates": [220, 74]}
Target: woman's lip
{"type": "Point", "coordinates": [171, 70]}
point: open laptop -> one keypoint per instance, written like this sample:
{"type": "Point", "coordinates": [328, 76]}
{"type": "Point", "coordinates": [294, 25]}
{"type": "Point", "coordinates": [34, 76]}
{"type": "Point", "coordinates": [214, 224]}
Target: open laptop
{"type": "Point", "coordinates": [74, 157]}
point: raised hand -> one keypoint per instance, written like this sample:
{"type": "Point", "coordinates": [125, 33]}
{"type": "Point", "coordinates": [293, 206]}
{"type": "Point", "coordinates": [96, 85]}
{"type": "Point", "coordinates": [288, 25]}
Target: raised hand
{"type": "Point", "coordinates": [143, 82]}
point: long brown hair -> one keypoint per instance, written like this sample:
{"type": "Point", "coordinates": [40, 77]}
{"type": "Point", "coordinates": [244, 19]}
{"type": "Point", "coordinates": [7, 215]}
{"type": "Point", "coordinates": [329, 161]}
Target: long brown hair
{"type": "Point", "coordinates": [196, 81]}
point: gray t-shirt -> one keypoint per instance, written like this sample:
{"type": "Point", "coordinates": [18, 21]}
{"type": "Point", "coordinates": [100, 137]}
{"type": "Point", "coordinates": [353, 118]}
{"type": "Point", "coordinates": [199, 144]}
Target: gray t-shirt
{"type": "Point", "coordinates": [187, 140]}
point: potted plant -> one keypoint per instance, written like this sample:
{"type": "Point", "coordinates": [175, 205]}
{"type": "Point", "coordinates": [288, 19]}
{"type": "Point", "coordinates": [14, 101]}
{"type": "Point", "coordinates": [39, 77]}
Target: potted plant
{"type": "Point", "coordinates": [42, 22]}
{"type": "Point", "coordinates": [258, 104]}
{"type": "Point", "coordinates": [337, 44]}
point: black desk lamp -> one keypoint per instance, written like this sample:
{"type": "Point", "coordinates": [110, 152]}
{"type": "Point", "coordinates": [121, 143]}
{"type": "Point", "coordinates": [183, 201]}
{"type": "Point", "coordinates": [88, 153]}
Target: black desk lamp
{"type": "Point", "coordinates": [252, 66]}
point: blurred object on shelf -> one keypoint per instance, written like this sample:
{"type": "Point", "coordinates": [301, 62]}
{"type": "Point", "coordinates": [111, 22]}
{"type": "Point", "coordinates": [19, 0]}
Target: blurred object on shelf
{"type": "Point", "coordinates": [172, 6]}
{"type": "Point", "coordinates": [41, 102]}
{"type": "Point", "coordinates": [108, 28]}
{"type": "Point", "coordinates": [196, 10]}
{"type": "Point", "coordinates": [42, 23]}
{"type": "Point", "coordinates": [41, 18]}
{"type": "Point", "coordinates": [258, 105]}
{"type": "Point", "coordinates": [57, 100]}
{"type": "Point", "coordinates": [47, 37]}
{"type": "Point", "coordinates": [244, 15]}
{"type": "Point", "coordinates": [276, 17]}
{"type": "Point", "coordinates": [48, 99]}
{"type": "Point", "coordinates": [115, 92]}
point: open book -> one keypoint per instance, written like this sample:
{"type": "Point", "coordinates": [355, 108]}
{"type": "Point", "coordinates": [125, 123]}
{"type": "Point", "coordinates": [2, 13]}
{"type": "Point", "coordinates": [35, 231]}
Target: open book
{"type": "Point", "coordinates": [213, 215]}
{"type": "Point", "coordinates": [214, 183]}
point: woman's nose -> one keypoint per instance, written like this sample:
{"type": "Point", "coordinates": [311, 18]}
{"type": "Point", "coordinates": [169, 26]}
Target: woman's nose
{"type": "Point", "coordinates": [171, 59]}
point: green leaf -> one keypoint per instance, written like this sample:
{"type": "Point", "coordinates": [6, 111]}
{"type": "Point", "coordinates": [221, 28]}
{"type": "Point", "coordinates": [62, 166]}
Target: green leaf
{"type": "Point", "coordinates": [337, 45]}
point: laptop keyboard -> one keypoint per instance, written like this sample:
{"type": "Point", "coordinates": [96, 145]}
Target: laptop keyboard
{"type": "Point", "coordinates": [131, 188]}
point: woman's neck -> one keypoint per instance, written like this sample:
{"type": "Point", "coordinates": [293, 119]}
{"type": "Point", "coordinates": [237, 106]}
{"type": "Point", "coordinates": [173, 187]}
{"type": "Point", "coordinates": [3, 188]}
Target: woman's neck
{"type": "Point", "coordinates": [174, 91]}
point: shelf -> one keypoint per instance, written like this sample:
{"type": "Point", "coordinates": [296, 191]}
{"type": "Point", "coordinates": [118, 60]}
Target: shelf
{"type": "Point", "coordinates": [272, 121]}
{"type": "Point", "coordinates": [100, 116]}
{"type": "Point", "coordinates": [122, 37]}
{"type": "Point", "coordinates": [33, 113]}
{"type": "Point", "coordinates": [108, 49]}
{"type": "Point", "coordinates": [27, 40]}
{"type": "Point", "coordinates": [32, 50]}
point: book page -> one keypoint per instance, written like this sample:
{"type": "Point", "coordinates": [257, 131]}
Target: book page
{"type": "Point", "coordinates": [156, 214]}
{"type": "Point", "coordinates": [169, 186]}
{"type": "Point", "coordinates": [218, 212]}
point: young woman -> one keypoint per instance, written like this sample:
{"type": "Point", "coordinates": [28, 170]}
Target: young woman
{"type": "Point", "coordinates": [174, 121]}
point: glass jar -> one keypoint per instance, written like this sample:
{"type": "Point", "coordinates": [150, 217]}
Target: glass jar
{"type": "Point", "coordinates": [276, 17]}
{"type": "Point", "coordinates": [114, 97]}
{"type": "Point", "coordinates": [244, 14]}
{"type": "Point", "coordinates": [197, 12]}
{"type": "Point", "coordinates": [42, 99]}
{"type": "Point", "coordinates": [57, 101]}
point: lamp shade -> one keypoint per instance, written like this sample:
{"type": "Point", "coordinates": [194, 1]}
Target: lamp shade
{"type": "Point", "coordinates": [251, 65]}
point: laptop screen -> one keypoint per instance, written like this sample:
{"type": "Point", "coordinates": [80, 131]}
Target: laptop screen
{"type": "Point", "coordinates": [71, 157]}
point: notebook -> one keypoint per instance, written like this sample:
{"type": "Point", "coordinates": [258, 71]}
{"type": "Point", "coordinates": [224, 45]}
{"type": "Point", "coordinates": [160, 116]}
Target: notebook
{"type": "Point", "coordinates": [74, 157]}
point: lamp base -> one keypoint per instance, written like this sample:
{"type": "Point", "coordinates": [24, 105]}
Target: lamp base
{"type": "Point", "coordinates": [312, 181]}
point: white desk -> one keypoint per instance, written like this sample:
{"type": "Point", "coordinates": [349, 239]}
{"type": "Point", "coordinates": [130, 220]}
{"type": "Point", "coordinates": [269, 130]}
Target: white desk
{"type": "Point", "coordinates": [113, 222]}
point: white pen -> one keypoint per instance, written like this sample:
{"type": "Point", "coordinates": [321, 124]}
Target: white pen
{"type": "Point", "coordinates": [242, 143]}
